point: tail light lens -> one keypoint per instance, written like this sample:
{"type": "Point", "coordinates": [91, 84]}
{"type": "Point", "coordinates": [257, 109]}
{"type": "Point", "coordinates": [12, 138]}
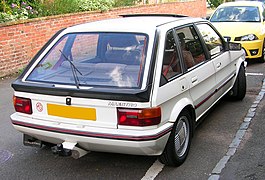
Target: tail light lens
{"type": "Point", "coordinates": [22, 105]}
{"type": "Point", "coordinates": [139, 117]}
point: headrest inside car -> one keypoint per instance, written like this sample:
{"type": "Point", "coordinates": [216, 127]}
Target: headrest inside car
{"type": "Point", "coordinates": [122, 41]}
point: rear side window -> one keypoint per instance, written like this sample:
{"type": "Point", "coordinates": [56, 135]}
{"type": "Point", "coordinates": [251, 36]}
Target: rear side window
{"type": "Point", "coordinates": [171, 60]}
{"type": "Point", "coordinates": [212, 40]}
{"type": "Point", "coordinates": [94, 59]}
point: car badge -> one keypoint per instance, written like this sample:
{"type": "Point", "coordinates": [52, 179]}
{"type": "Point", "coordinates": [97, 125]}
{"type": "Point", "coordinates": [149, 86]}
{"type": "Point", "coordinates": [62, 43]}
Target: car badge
{"type": "Point", "coordinates": [39, 107]}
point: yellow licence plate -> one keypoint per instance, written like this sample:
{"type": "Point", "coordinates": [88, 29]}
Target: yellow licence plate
{"type": "Point", "coordinates": [72, 112]}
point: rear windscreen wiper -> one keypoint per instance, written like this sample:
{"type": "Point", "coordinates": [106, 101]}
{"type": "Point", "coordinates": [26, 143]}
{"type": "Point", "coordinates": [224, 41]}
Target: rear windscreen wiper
{"type": "Point", "coordinates": [74, 70]}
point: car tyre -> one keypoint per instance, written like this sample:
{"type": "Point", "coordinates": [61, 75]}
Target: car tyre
{"type": "Point", "coordinates": [240, 86]}
{"type": "Point", "coordinates": [178, 144]}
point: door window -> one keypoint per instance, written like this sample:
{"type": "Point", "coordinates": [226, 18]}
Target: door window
{"type": "Point", "coordinates": [191, 46]}
{"type": "Point", "coordinates": [212, 40]}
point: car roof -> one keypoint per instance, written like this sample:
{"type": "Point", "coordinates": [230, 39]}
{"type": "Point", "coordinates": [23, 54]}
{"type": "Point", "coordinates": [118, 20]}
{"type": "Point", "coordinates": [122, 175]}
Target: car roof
{"type": "Point", "coordinates": [242, 3]}
{"type": "Point", "coordinates": [143, 24]}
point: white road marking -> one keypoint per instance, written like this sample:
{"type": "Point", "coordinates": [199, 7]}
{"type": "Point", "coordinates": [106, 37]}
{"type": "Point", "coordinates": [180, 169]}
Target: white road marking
{"type": "Point", "coordinates": [254, 74]}
{"type": "Point", "coordinates": [153, 171]}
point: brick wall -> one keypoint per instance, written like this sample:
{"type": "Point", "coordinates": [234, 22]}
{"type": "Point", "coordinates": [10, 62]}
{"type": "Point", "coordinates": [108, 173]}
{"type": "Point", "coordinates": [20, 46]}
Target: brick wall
{"type": "Point", "coordinates": [20, 41]}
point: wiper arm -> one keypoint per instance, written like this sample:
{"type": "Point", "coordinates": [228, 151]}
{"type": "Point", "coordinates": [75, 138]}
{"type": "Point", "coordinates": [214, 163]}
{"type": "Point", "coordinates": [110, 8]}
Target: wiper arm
{"type": "Point", "coordinates": [71, 63]}
{"type": "Point", "coordinates": [73, 69]}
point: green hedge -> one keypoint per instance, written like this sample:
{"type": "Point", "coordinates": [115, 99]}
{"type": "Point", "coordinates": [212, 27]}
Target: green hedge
{"type": "Point", "coordinates": [12, 10]}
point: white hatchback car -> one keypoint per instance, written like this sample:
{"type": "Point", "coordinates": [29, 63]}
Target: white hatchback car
{"type": "Point", "coordinates": [133, 85]}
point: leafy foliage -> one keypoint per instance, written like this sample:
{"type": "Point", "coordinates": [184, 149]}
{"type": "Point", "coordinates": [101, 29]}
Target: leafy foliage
{"type": "Point", "coordinates": [12, 10]}
{"type": "Point", "coordinates": [5, 5]}
{"type": "Point", "coordinates": [56, 7]}
{"type": "Point", "coordinates": [214, 3]}
{"type": "Point", "coordinates": [17, 11]}
{"type": "Point", "coordinates": [119, 3]}
{"type": "Point", "coordinates": [92, 5]}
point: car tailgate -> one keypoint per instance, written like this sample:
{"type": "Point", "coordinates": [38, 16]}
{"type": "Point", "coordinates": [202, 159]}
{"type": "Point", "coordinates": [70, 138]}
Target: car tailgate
{"type": "Point", "coordinates": [72, 110]}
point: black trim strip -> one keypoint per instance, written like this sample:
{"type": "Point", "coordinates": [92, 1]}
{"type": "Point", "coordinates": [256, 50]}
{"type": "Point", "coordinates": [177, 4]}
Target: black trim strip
{"type": "Point", "coordinates": [216, 90]}
{"type": "Point", "coordinates": [95, 135]}
{"type": "Point", "coordinates": [132, 95]}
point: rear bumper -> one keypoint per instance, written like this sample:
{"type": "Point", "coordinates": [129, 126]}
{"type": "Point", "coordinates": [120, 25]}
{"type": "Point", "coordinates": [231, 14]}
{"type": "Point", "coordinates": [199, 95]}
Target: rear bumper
{"type": "Point", "coordinates": [137, 142]}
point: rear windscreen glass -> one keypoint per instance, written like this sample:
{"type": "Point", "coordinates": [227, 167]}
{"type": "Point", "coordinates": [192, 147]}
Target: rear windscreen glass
{"type": "Point", "coordinates": [94, 59]}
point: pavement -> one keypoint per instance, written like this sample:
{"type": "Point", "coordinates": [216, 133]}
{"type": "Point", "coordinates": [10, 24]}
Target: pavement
{"type": "Point", "coordinates": [245, 158]}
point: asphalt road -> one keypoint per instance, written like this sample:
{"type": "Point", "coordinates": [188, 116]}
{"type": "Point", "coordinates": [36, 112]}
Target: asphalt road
{"type": "Point", "coordinates": [209, 145]}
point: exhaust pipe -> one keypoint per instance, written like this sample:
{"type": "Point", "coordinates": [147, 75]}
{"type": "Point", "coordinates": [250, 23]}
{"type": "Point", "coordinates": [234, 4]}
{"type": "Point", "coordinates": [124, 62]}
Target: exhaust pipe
{"type": "Point", "coordinates": [69, 149]}
{"type": "Point", "coordinates": [78, 152]}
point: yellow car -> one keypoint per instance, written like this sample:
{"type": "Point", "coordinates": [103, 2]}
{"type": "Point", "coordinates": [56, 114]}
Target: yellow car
{"type": "Point", "coordinates": [243, 22]}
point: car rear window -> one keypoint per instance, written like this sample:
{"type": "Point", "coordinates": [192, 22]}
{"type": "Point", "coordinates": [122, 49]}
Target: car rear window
{"type": "Point", "coordinates": [94, 59]}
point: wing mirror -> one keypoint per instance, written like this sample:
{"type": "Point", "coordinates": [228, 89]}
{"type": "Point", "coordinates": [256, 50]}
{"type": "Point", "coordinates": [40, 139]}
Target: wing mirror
{"type": "Point", "coordinates": [234, 46]}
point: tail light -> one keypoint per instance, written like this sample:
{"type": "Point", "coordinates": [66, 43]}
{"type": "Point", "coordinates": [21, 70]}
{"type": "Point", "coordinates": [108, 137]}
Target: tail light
{"type": "Point", "coordinates": [139, 117]}
{"type": "Point", "coordinates": [22, 105]}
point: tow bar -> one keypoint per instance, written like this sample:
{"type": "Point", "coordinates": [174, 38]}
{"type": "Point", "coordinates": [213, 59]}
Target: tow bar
{"type": "Point", "coordinates": [69, 149]}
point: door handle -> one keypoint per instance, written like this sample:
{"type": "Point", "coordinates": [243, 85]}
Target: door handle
{"type": "Point", "coordinates": [218, 65]}
{"type": "Point", "coordinates": [194, 79]}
